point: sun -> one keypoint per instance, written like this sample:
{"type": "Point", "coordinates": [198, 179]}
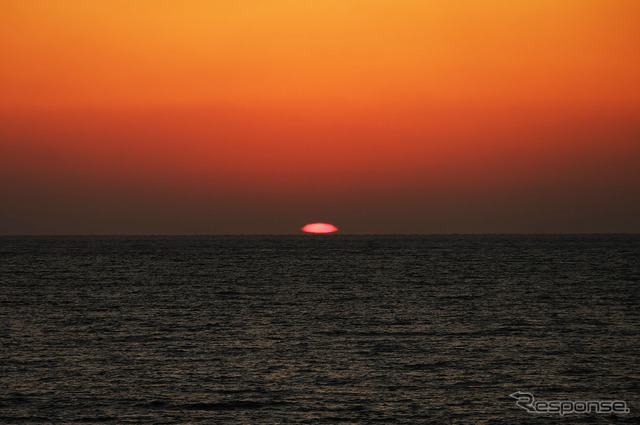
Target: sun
{"type": "Point", "coordinates": [319, 228]}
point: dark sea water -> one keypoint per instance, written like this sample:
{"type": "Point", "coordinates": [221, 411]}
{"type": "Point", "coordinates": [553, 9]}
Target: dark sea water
{"type": "Point", "coordinates": [316, 328]}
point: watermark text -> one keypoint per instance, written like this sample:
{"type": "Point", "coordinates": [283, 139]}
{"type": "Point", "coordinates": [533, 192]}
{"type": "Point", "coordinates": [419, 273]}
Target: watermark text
{"type": "Point", "coordinates": [528, 402]}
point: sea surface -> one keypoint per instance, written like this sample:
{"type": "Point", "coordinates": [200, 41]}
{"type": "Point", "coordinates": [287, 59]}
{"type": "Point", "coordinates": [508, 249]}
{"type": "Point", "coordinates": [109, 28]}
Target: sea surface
{"type": "Point", "coordinates": [317, 328]}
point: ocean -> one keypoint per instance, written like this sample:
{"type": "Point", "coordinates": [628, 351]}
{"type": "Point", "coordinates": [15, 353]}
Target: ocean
{"type": "Point", "coordinates": [311, 329]}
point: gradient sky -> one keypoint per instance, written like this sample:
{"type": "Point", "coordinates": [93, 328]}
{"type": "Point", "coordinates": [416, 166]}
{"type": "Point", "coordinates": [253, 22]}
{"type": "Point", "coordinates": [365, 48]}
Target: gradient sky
{"type": "Point", "coordinates": [378, 116]}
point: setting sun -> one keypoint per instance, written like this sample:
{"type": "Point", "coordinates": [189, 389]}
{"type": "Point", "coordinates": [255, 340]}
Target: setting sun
{"type": "Point", "coordinates": [319, 228]}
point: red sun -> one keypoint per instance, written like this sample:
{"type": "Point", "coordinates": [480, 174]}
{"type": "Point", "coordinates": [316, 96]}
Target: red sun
{"type": "Point", "coordinates": [319, 228]}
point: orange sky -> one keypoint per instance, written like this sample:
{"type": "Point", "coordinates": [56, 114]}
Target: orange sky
{"type": "Point", "coordinates": [379, 116]}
